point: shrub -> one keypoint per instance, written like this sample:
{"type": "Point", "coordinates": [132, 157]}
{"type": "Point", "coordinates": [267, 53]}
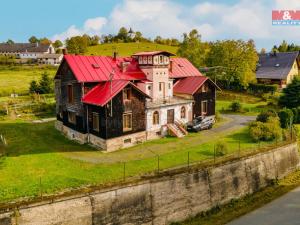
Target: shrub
{"type": "Point", "coordinates": [34, 87]}
{"type": "Point", "coordinates": [221, 148]}
{"type": "Point", "coordinates": [268, 131]}
{"type": "Point", "coordinates": [264, 116]}
{"type": "Point", "coordinates": [235, 106]}
{"type": "Point", "coordinates": [286, 117]}
{"type": "Point", "coordinates": [218, 116]}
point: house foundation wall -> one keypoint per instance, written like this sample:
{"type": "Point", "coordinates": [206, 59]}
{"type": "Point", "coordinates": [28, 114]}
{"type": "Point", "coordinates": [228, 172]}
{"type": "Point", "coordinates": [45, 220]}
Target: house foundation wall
{"type": "Point", "coordinates": [109, 145]}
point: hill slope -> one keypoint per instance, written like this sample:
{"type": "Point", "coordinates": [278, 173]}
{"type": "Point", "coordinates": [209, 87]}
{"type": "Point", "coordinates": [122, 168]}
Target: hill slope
{"type": "Point", "coordinates": [127, 49]}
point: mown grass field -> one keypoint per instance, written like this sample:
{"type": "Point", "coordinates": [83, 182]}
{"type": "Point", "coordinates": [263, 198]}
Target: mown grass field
{"type": "Point", "coordinates": [38, 151]}
{"type": "Point", "coordinates": [127, 49]}
{"type": "Point", "coordinates": [251, 105]}
{"type": "Point", "coordinates": [17, 79]}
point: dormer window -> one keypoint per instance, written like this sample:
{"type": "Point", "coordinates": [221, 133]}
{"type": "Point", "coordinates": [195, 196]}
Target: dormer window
{"type": "Point", "coordinates": [127, 94]}
{"type": "Point", "coordinates": [161, 59]}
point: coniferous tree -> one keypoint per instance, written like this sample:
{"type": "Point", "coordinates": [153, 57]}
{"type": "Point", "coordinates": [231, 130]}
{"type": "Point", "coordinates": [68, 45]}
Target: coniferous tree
{"type": "Point", "coordinates": [291, 94]}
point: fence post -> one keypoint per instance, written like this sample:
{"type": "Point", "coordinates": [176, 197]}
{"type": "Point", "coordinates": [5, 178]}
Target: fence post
{"type": "Point", "coordinates": [157, 163]}
{"type": "Point", "coordinates": [214, 153]}
{"type": "Point", "coordinates": [188, 160]}
{"type": "Point", "coordinates": [41, 191]}
{"type": "Point", "coordinates": [124, 171]}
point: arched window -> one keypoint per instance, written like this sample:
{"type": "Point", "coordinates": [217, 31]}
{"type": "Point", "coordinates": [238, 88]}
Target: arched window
{"type": "Point", "coordinates": [155, 118]}
{"type": "Point", "coordinates": [182, 112]}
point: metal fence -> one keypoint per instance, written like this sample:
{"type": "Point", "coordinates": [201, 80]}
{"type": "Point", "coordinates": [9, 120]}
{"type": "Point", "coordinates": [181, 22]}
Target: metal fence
{"type": "Point", "coordinates": [160, 165]}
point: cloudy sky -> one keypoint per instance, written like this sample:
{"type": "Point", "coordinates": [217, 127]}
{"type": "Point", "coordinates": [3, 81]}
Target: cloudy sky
{"type": "Point", "coordinates": [223, 19]}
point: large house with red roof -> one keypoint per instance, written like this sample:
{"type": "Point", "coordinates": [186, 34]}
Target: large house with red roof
{"type": "Point", "coordinates": [116, 102]}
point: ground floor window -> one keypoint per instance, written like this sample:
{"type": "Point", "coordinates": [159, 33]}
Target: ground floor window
{"type": "Point", "coordinates": [72, 117]}
{"type": "Point", "coordinates": [96, 122]}
{"type": "Point", "coordinates": [127, 122]}
{"type": "Point", "coordinates": [204, 107]}
{"type": "Point", "coordinates": [155, 118]}
{"type": "Point", "coordinates": [182, 113]}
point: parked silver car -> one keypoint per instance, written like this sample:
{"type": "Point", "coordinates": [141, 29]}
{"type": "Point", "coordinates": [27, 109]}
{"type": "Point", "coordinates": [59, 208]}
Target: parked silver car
{"type": "Point", "coordinates": [201, 123]}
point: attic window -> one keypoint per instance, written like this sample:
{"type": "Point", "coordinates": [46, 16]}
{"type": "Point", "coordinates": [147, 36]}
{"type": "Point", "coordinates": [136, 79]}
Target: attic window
{"type": "Point", "coordinates": [277, 65]}
{"type": "Point", "coordinates": [95, 66]}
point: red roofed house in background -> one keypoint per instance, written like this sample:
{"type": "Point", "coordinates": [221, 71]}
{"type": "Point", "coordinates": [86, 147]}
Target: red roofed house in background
{"type": "Point", "coordinates": [116, 102]}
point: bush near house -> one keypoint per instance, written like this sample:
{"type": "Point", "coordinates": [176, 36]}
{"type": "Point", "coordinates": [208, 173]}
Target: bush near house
{"type": "Point", "coordinates": [235, 106]}
{"type": "Point", "coordinates": [264, 116]}
{"type": "Point", "coordinates": [266, 131]}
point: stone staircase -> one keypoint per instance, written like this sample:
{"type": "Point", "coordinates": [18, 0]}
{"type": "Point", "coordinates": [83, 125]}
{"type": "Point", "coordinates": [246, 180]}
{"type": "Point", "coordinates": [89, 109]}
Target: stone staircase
{"type": "Point", "coordinates": [176, 130]}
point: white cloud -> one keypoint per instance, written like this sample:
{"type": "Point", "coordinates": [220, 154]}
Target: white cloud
{"type": "Point", "coordinates": [287, 4]}
{"type": "Point", "coordinates": [160, 17]}
{"type": "Point", "coordinates": [91, 26]}
{"type": "Point", "coordinates": [244, 19]}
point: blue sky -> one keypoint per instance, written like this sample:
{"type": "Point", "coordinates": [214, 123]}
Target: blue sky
{"type": "Point", "coordinates": [231, 19]}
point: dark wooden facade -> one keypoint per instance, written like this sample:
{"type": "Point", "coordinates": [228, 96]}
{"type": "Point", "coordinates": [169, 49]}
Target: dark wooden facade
{"type": "Point", "coordinates": [110, 126]}
{"type": "Point", "coordinates": [207, 92]}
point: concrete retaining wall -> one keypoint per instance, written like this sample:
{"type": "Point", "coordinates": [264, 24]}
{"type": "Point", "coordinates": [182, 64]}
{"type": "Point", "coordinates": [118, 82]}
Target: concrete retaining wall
{"type": "Point", "coordinates": [166, 199]}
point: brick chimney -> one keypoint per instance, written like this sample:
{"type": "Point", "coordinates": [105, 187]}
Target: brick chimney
{"type": "Point", "coordinates": [124, 66]}
{"type": "Point", "coordinates": [65, 51]}
{"type": "Point", "coordinates": [115, 54]}
{"type": "Point", "coordinates": [171, 66]}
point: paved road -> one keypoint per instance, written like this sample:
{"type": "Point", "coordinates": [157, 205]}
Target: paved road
{"type": "Point", "coordinates": [282, 211]}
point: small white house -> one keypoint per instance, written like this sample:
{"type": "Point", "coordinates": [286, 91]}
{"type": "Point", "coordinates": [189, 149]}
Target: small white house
{"type": "Point", "coordinates": [25, 51]}
{"type": "Point", "coordinates": [50, 59]}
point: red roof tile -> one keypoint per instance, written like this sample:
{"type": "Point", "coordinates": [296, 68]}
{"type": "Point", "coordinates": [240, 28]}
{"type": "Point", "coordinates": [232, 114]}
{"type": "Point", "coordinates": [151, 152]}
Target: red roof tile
{"type": "Point", "coordinates": [189, 85]}
{"type": "Point", "coordinates": [99, 68]}
{"type": "Point", "coordinates": [105, 91]}
{"type": "Point", "coordinates": [182, 67]}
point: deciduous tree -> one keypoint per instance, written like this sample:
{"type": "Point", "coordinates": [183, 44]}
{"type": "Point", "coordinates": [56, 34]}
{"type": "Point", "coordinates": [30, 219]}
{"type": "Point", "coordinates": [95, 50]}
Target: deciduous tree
{"type": "Point", "coordinates": [193, 48]}
{"type": "Point", "coordinates": [237, 58]}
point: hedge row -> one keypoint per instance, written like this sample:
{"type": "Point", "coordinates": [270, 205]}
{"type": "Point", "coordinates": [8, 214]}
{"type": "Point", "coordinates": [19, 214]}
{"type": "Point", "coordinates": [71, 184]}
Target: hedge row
{"type": "Point", "coordinates": [262, 88]}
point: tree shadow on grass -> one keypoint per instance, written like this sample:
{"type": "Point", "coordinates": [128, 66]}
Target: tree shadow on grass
{"type": "Point", "coordinates": [27, 138]}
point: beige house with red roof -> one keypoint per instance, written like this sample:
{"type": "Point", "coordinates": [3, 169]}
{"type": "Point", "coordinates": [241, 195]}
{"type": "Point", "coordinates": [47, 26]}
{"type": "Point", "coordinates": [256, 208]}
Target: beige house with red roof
{"type": "Point", "coordinates": [114, 102]}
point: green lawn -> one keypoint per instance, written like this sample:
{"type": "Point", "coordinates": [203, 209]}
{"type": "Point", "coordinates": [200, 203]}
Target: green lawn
{"type": "Point", "coordinates": [127, 49]}
{"type": "Point", "coordinates": [251, 105]}
{"type": "Point", "coordinates": [250, 109]}
{"type": "Point", "coordinates": [17, 79]}
{"type": "Point", "coordinates": [38, 151]}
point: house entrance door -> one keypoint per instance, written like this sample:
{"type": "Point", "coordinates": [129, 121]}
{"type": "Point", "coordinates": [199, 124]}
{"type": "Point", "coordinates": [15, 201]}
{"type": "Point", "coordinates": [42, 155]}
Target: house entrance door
{"type": "Point", "coordinates": [170, 116]}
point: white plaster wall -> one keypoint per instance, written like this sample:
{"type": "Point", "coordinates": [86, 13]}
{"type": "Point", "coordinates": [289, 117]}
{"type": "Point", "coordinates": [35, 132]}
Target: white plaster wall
{"type": "Point", "coordinates": [159, 75]}
{"type": "Point", "coordinates": [29, 55]}
{"type": "Point", "coordinates": [163, 116]}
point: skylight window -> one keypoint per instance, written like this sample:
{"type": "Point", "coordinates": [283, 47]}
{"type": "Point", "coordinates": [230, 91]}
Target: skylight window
{"type": "Point", "coordinates": [96, 66]}
{"type": "Point", "coordinates": [277, 65]}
